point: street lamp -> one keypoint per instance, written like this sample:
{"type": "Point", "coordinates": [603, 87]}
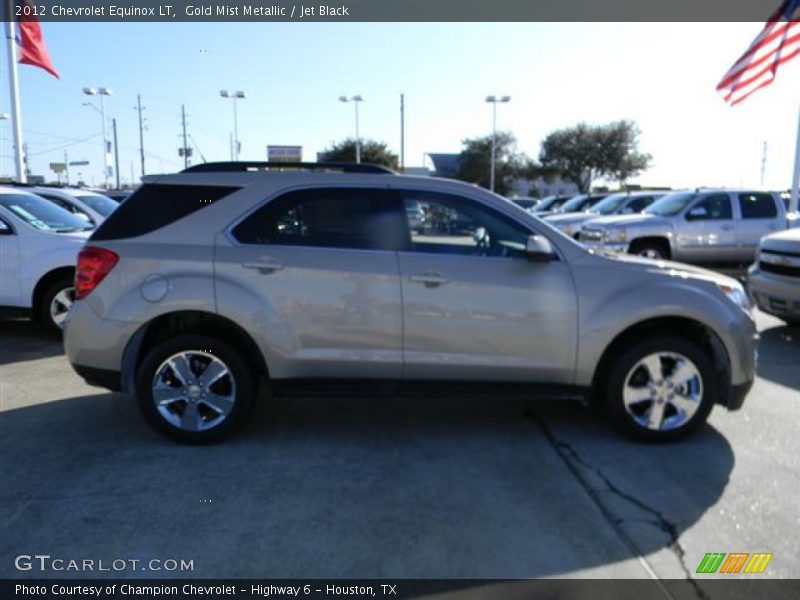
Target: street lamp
{"type": "Point", "coordinates": [494, 100]}
{"type": "Point", "coordinates": [239, 95]}
{"type": "Point", "coordinates": [102, 92]}
{"type": "Point", "coordinates": [3, 117]}
{"type": "Point", "coordinates": [355, 100]}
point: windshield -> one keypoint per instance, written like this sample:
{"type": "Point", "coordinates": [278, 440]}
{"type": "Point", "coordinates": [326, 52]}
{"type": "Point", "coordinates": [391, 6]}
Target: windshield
{"type": "Point", "coordinates": [609, 205]}
{"type": "Point", "coordinates": [42, 214]}
{"type": "Point", "coordinates": [105, 206]}
{"type": "Point", "coordinates": [670, 205]}
{"type": "Point", "coordinates": [549, 203]}
{"type": "Point", "coordinates": [574, 204]}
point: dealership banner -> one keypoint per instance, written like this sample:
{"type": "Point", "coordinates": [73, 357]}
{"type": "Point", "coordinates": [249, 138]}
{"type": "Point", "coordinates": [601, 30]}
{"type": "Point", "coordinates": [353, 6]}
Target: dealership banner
{"type": "Point", "coordinates": [441, 589]}
{"type": "Point", "coordinates": [385, 10]}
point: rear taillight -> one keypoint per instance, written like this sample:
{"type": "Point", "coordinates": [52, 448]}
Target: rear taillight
{"type": "Point", "coordinates": [93, 265]}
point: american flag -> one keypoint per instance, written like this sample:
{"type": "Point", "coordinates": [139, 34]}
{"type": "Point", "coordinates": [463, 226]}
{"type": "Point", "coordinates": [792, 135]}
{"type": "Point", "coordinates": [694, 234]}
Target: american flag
{"type": "Point", "coordinates": [777, 43]}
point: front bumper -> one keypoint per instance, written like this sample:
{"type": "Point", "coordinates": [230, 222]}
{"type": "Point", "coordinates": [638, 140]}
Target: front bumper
{"type": "Point", "coordinates": [776, 295]}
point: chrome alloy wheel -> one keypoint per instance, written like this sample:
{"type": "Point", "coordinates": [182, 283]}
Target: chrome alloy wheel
{"type": "Point", "coordinates": [60, 305]}
{"type": "Point", "coordinates": [663, 391]}
{"type": "Point", "coordinates": [194, 390]}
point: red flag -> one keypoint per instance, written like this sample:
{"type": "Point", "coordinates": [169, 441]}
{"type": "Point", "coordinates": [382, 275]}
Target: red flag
{"type": "Point", "coordinates": [31, 45]}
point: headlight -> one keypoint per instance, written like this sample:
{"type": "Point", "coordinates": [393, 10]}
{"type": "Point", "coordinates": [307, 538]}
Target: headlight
{"type": "Point", "coordinates": [615, 235]}
{"type": "Point", "coordinates": [736, 294]}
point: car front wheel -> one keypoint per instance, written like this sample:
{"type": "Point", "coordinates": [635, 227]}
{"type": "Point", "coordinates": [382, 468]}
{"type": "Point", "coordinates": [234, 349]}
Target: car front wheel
{"type": "Point", "coordinates": [661, 388]}
{"type": "Point", "coordinates": [195, 388]}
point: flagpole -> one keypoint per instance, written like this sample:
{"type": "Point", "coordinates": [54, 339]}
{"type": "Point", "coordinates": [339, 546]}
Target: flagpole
{"type": "Point", "coordinates": [14, 85]}
{"type": "Point", "coordinates": [796, 175]}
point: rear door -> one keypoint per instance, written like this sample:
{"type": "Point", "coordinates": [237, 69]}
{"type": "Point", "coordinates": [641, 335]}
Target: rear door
{"type": "Point", "coordinates": [707, 230]}
{"type": "Point", "coordinates": [759, 217]}
{"type": "Point", "coordinates": [315, 271]}
{"type": "Point", "coordinates": [475, 308]}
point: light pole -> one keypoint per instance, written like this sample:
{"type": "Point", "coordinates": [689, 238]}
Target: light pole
{"type": "Point", "coordinates": [494, 100]}
{"type": "Point", "coordinates": [102, 92]}
{"type": "Point", "coordinates": [355, 100]}
{"type": "Point", "coordinates": [3, 117]}
{"type": "Point", "coordinates": [235, 96]}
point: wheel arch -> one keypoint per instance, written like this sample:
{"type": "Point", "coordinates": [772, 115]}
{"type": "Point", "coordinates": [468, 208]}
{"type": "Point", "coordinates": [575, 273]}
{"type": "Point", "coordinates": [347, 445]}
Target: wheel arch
{"type": "Point", "coordinates": [45, 281]}
{"type": "Point", "coordinates": [170, 324]}
{"type": "Point", "coordinates": [661, 240]}
{"type": "Point", "coordinates": [685, 327]}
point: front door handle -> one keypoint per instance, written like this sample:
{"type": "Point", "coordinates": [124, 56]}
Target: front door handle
{"type": "Point", "coordinates": [429, 279]}
{"type": "Point", "coordinates": [727, 228]}
{"type": "Point", "coordinates": [263, 267]}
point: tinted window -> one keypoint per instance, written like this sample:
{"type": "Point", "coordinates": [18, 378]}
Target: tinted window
{"type": "Point", "coordinates": [332, 217]}
{"type": "Point", "coordinates": [455, 225]}
{"type": "Point", "coordinates": [153, 206]}
{"type": "Point", "coordinates": [716, 207]}
{"type": "Point", "coordinates": [757, 206]}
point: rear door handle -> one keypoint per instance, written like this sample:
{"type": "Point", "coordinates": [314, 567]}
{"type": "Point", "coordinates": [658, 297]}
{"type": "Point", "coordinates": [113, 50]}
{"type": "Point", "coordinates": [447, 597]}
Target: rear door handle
{"type": "Point", "coordinates": [429, 279]}
{"type": "Point", "coordinates": [263, 267]}
{"type": "Point", "coordinates": [727, 228]}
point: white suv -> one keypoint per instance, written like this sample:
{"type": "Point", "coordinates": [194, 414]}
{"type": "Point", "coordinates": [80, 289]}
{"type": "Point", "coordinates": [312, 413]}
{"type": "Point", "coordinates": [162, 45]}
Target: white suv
{"type": "Point", "coordinates": [39, 244]}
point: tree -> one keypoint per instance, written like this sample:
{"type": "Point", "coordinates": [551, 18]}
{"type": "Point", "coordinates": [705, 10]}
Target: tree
{"type": "Point", "coordinates": [475, 160]}
{"type": "Point", "coordinates": [372, 152]}
{"type": "Point", "coordinates": [584, 152]}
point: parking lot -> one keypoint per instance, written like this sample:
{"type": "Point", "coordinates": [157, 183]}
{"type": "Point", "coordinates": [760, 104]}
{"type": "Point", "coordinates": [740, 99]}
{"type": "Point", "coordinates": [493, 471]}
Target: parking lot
{"type": "Point", "coordinates": [394, 488]}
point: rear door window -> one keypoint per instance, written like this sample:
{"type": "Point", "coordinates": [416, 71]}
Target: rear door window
{"type": "Point", "coordinates": [757, 206]}
{"type": "Point", "coordinates": [355, 218]}
{"type": "Point", "coordinates": [154, 206]}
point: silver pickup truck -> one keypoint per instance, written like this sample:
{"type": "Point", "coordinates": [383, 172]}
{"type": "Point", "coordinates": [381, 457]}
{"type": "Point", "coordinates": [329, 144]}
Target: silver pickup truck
{"type": "Point", "coordinates": [774, 279]}
{"type": "Point", "coordinates": [701, 226]}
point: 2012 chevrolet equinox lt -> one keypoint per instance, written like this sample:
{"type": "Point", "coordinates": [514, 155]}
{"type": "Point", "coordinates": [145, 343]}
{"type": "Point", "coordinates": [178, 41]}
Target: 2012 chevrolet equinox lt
{"type": "Point", "coordinates": [208, 283]}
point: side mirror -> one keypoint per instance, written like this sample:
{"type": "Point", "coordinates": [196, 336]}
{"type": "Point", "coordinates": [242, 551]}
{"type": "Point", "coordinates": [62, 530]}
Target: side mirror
{"type": "Point", "coordinates": [5, 229]}
{"type": "Point", "coordinates": [539, 248]}
{"type": "Point", "coordinates": [83, 217]}
{"type": "Point", "coordinates": [698, 212]}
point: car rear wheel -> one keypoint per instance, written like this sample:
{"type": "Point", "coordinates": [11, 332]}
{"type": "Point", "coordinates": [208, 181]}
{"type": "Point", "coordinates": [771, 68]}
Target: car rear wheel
{"type": "Point", "coordinates": [661, 388]}
{"type": "Point", "coordinates": [55, 303]}
{"type": "Point", "coordinates": [195, 388]}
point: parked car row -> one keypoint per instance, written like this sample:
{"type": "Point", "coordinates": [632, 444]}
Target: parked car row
{"type": "Point", "coordinates": [41, 231]}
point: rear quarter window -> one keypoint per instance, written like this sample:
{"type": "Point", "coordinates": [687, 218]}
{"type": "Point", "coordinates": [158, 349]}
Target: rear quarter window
{"type": "Point", "coordinates": [154, 206]}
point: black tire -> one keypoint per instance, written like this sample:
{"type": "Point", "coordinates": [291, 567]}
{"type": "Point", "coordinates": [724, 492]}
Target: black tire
{"type": "Point", "coordinates": [242, 389]}
{"type": "Point", "coordinates": [64, 283]}
{"type": "Point", "coordinates": [628, 359]}
{"type": "Point", "coordinates": [650, 249]}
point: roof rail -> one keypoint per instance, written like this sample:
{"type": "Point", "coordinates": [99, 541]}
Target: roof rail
{"type": "Point", "coordinates": [242, 166]}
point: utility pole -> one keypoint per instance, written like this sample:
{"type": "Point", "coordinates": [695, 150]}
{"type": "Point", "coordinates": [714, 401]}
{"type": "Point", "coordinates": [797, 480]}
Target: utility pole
{"type": "Point", "coordinates": [66, 166]}
{"type": "Point", "coordinates": [141, 131]}
{"type": "Point", "coordinates": [116, 151]}
{"type": "Point", "coordinates": [185, 148]}
{"type": "Point", "coordinates": [763, 163]}
{"type": "Point", "coordinates": [402, 133]}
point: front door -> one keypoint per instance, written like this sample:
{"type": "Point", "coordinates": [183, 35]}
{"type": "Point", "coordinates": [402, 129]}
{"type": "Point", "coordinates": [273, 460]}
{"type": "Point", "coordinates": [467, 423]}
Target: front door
{"type": "Point", "coordinates": [9, 265]}
{"type": "Point", "coordinates": [474, 307]}
{"type": "Point", "coordinates": [708, 232]}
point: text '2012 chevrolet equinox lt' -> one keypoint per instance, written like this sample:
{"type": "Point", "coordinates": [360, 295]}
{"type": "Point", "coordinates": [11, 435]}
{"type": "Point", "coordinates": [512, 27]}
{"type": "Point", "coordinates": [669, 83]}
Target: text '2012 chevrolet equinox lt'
{"type": "Point", "coordinates": [209, 283]}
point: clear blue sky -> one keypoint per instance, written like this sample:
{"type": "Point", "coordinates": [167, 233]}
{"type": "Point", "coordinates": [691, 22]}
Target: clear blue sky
{"type": "Point", "coordinates": [661, 75]}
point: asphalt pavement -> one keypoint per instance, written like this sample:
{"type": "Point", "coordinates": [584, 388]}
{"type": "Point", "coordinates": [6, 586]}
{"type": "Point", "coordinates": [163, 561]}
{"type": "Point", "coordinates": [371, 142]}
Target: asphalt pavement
{"type": "Point", "coordinates": [393, 487]}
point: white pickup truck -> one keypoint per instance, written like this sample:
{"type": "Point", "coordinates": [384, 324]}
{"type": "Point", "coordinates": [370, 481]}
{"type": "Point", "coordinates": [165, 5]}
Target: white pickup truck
{"type": "Point", "coordinates": [39, 244]}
